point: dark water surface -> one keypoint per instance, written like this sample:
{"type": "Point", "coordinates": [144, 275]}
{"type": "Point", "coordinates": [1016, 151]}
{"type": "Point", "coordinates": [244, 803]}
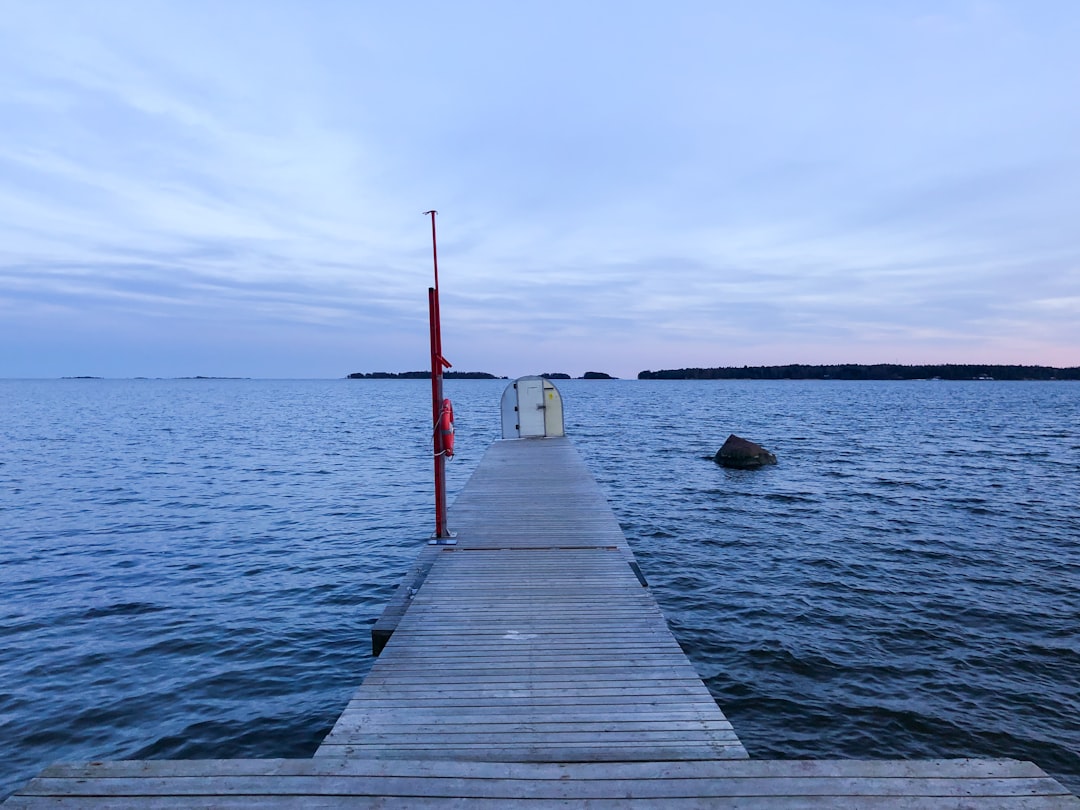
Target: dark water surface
{"type": "Point", "coordinates": [190, 568]}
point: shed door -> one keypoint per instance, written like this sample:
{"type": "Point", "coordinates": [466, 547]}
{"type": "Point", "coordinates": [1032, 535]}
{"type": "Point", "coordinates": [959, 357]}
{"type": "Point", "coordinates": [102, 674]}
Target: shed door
{"type": "Point", "coordinates": [530, 397]}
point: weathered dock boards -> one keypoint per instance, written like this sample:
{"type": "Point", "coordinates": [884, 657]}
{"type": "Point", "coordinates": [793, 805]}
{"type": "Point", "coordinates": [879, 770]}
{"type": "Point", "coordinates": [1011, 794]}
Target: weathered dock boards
{"type": "Point", "coordinates": [531, 668]}
{"type": "Point", "coordinates": [365, 783]}
{"type": "Point", "coordinates": [532, 639]}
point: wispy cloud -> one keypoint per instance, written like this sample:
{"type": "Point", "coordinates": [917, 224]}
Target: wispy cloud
{"type": "Point", "coordinates": [654, 187]}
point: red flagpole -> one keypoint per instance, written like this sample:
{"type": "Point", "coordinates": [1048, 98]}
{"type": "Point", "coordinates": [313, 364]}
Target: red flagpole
{"type": "Point", "coordinates": [442, 533]}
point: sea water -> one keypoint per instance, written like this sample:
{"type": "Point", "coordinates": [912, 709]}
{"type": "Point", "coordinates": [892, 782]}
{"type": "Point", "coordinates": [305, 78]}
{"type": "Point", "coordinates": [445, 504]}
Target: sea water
{"type": "Point", "coordinates": [191, 568]}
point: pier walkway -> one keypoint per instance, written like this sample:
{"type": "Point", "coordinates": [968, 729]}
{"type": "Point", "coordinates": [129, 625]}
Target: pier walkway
{"type": "Point", "coordinates": [533, 639]}
{"type": "Point", "coordinates": [529, 666]}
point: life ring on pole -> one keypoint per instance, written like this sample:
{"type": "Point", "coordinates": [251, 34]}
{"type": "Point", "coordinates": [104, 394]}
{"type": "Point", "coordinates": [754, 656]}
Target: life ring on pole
{"type": "Point", "coordinates": [446, 428]}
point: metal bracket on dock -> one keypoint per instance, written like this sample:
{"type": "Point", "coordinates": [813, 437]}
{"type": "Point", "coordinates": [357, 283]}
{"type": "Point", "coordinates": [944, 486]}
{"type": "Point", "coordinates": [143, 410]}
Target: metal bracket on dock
{"type": "Point", "coordinates": [449, 540]}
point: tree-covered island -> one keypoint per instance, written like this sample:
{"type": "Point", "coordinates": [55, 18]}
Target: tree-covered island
{"type": "Point", "coordinates": [854, 371]}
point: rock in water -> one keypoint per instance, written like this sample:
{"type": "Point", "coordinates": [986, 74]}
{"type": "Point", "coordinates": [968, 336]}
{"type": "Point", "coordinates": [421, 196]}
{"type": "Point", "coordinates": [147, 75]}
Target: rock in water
{"type": "Point", "coordinates": [743, 455]}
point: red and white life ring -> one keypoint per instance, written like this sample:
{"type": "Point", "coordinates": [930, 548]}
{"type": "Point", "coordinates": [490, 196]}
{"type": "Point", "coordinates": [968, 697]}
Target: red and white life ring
{"type": "Point", "coordinates": [446, 428]}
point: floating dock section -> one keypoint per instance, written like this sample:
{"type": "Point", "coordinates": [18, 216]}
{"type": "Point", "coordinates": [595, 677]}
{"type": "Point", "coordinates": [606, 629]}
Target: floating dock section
{"type": "Point", "coordinates": [528, 665]}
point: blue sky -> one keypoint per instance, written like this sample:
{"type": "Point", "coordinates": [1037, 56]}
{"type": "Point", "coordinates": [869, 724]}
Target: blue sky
{"type": "Point", "coordinates": [236, 188]}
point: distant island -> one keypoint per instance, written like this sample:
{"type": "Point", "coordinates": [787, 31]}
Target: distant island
{"type": "Point", "coordinates": [588, 375]}
{"type": "Point", "coordinates": [466, 375]}
{"type": "Point", "coordinates": [422, 375]}
{"type": "Point", "coordinates": [853, 371]}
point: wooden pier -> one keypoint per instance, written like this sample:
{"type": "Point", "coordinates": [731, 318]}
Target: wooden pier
{"type": "Point", "coordinates": [529, 666]}
{"type": "Point", "coordinates": [533, 638]}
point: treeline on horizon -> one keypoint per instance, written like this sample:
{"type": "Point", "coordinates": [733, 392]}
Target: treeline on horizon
{"type": "Point", "coordinates": [854, 371]}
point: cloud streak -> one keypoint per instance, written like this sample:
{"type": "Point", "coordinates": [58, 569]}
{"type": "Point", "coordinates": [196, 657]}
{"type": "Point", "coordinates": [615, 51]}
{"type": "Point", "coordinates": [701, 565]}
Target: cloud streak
{"type": "Point", "coordinates": [619, 188]}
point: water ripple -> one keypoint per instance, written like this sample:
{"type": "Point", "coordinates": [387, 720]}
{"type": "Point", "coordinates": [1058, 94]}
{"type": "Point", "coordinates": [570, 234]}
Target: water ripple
{"type": "Point", "coordinates": [192, 568]}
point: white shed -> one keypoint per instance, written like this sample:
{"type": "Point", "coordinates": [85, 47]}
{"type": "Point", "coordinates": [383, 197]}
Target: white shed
{"type": "Point", "coordinates": [532, 409]}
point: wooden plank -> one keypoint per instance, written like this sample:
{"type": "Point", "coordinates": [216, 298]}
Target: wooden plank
{"type": "Point", "coordinates": [963, 768]}
{"type": "Point", "coordinates": [682, 691]}
{"type": "Point", "coordinates": [443, 783]}
{"type": "Point", "coordinates": [486, 729]}
{"type": "Point", "coordinates": [273, 802]}
{"type": "Point", "coordinates": [587, 713]}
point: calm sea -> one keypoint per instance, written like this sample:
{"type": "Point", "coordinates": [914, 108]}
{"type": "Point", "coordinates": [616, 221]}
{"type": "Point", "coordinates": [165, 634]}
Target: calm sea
{"type": "Point", "coordinates": [190, 568]}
